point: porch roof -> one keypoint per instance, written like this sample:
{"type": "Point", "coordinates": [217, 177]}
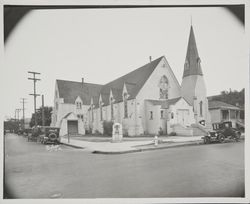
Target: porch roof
{"type": "Point", "coordinates": [221, 105]}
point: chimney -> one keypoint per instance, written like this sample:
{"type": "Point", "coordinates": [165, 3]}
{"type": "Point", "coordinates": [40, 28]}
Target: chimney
{"type": "Point", "coordinates": [150, 58]}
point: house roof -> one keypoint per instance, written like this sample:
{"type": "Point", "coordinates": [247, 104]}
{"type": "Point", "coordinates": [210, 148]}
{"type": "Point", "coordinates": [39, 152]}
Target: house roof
{"type": "Point", "coordinates": [192, 57]}
{"type": "Point", "coordinates": [69, 90]}
{"type": "Point", "coordinates": [221, 105]}
{"type": "Point", "coordinates": [165, 103]}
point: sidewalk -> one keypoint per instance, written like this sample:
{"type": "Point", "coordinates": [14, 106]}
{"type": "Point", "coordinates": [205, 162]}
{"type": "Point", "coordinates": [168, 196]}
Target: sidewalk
{"type": "Point", "coordinates": [109, 147]}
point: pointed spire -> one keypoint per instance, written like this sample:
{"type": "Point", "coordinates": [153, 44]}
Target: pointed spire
{"type": "Point", "coordinates": [192, 63]}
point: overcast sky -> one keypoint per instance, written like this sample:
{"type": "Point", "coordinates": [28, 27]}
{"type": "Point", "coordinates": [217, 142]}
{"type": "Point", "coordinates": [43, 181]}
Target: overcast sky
{"type": "Point", "coordinates": [103, 44]}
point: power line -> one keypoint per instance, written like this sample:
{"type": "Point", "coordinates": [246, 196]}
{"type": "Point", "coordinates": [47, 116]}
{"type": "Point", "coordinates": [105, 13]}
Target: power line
{"type": "Point", "coordinates": [34, 79]}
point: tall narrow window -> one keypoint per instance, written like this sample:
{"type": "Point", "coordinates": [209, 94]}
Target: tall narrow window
{"type": "Point", "coordinates": [112, 108]}
{"type": "Point", "coordinates": [100, 110]}
{"type": "Point", "coordinates": [201, 104]}
{"type": "Point", "coordinates": [125, 105]}
{"type": "Point", "coordinates": [92, 113]}
{"type": "Point", "coordinates": [151, 115]}
{"type": "Point", "coordinates": [162, 114]}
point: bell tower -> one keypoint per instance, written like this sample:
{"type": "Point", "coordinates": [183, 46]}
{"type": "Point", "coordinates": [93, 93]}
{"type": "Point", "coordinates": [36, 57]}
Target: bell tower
{"type": "Point", "coordinates": [193, 87]}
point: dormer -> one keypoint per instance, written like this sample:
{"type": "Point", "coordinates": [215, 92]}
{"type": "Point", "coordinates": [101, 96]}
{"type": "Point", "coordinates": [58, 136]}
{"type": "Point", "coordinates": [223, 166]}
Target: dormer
{"type": "Point", "coordinates": [111, 97]}
{"type": "Point", "coordinates": [78, 103]}
{"type": "Point", "coordinates": [125, 92]}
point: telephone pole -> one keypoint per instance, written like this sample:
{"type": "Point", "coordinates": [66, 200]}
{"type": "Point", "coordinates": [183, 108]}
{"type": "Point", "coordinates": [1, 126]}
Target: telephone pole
{"type": "Point", "coordinates": [23, 102]}
{"type": "Point", "coordinates": [34, 79]}
{"type": "Point", "coordinates": [43, 116]}
{"type": "Point", "coordinates": [18, 110]}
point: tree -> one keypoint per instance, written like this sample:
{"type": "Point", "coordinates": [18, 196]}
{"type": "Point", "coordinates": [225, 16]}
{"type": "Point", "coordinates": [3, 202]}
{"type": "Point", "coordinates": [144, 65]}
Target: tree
{"type": "Point", "coordinates": [47, 116]}
{"type": "Point", "coordinates": [232, 97]}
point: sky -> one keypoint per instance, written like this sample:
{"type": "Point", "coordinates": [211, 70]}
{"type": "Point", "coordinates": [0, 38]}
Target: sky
{"type": "Point", "coordinates": [100, 45]}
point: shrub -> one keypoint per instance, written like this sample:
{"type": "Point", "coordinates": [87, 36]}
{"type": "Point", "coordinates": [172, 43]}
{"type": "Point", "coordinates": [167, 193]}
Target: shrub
{"type": "Point", "coordinates": [107, 127]}
{"type": "Point", "coordinates": [160, 132]}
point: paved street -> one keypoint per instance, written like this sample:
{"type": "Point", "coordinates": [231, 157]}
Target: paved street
{"type": "Point", "coordinates": [192, 171]}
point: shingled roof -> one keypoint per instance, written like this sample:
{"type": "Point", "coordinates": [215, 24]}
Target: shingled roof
{"type": "Point", "coordinates": [192, 57]}
{"type": "Point", "coordinates": [69, 90]}
{"type": "Point", "coordinates": [134, 81]}
{"type": "Point", "coordinates": [221, 105]}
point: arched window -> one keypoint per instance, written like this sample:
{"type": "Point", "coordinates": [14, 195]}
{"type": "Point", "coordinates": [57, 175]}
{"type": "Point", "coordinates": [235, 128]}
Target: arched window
{"type": "Point", "coordinates": [100, 110]}
{"type": "Point", "coordinates": [92, 113]}
{"type": "Point", "coordinates": [112, 108]}
{"type": "Point", "coordinates": [201, 108]}
{"type": "Point", "coordinates": [163, 85]}
{"type": "Point", "coordinates": [172, 115]}
{"type": "Point", "coordinates": [125, 95]}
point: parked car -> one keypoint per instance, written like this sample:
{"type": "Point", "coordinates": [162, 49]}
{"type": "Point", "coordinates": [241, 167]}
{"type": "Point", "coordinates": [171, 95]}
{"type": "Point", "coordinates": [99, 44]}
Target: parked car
{"type": "Point", "coordinates": [221, 132]}
{"type": "Point", "coordinates": [50, 135]}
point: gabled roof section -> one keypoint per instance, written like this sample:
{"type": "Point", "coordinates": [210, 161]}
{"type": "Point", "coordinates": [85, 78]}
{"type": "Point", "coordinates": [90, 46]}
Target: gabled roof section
{"type": "Point", "coordinates": [133, 80]}
{"type": "Point", "coordinates": [69, 90]}
{"type": "Point", "coordinates": [221, 105]}
{"type": "Point", "coordinates": [192, 62]}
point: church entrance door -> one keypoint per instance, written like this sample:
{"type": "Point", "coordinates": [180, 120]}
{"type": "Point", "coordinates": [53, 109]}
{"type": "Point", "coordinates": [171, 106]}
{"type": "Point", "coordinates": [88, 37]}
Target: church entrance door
{"type": "Point", "coordinates": [182, 116]}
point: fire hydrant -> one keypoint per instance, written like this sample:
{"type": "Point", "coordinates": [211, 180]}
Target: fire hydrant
{"type": "Point", "coordinates": [156, 140]}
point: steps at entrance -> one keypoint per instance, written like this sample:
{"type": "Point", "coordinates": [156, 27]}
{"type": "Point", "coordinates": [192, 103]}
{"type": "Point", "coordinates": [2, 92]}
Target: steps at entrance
{"type": "Point", "coordinates": [199, 130]}
{"type": "Point", "coordinates": [193, 130]}
{"type": "Point", "coordinates": [182, 131]}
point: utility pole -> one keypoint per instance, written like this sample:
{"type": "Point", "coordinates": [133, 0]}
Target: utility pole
{"type": "Point", "coordinates": [23, 102]}
{"type": "Point", "coordinates": [18, 110]}
{"type": "Point", "coordinates": [43, 116]}
{"type": "Point", "coordinates": [34, 79]}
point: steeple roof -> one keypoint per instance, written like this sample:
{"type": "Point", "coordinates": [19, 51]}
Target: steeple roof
{"type": "Point", "coordinates": [192, 63]}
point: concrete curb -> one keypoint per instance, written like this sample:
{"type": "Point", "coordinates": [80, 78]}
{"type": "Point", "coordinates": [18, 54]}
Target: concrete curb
{"type": "Point", "coordinates": [149, 149]}
{"type": "Point", "coordinates": [70, 145]}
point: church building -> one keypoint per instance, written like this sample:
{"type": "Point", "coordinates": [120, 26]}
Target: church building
{"type": "Point", "coordinates": [146, 101]}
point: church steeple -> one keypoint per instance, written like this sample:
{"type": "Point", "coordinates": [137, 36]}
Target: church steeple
{"type": "Point", "coordinates": [192, 63]}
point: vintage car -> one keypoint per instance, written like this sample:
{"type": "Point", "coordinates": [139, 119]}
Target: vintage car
{"type": "Point", "coordinates": [50, 135]}
{"type": "Point", "coordinates": [221, 132]}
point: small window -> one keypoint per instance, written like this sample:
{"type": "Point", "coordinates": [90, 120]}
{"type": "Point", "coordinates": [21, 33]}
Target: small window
{"type": "Point", "coordinates": [162, 114]}
{"type": "Point", "coordinates": [201, 108]}
{"type": "Point", "coordinates": [172, 115]}
{"type": "Point", "coordinates": [151, 115]}
{"type": "Point", "coordinates": [78, 105]}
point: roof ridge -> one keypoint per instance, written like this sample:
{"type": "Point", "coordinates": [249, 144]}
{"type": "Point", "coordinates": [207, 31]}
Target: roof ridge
{"type": "Point", "coordinates": [78, 82]}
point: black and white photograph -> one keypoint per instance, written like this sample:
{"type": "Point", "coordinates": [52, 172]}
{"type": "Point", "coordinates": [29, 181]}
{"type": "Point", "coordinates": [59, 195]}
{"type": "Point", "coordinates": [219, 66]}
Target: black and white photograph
{"type": "Point", "coordinates": [125, 101]}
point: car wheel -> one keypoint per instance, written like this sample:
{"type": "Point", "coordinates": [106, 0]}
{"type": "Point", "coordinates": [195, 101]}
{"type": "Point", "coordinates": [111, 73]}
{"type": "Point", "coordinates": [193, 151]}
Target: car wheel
{"type": "Point", "coordinates": [221, 138]}
{"type": "Point", "coordinates": [237, 136]}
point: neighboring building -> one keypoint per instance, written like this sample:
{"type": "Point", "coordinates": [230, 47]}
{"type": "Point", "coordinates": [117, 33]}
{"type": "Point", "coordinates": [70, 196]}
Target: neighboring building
{"type": "Point", "coordinates": [221, 112]}
{"type": "Point", "coordinates": [144, 101]}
